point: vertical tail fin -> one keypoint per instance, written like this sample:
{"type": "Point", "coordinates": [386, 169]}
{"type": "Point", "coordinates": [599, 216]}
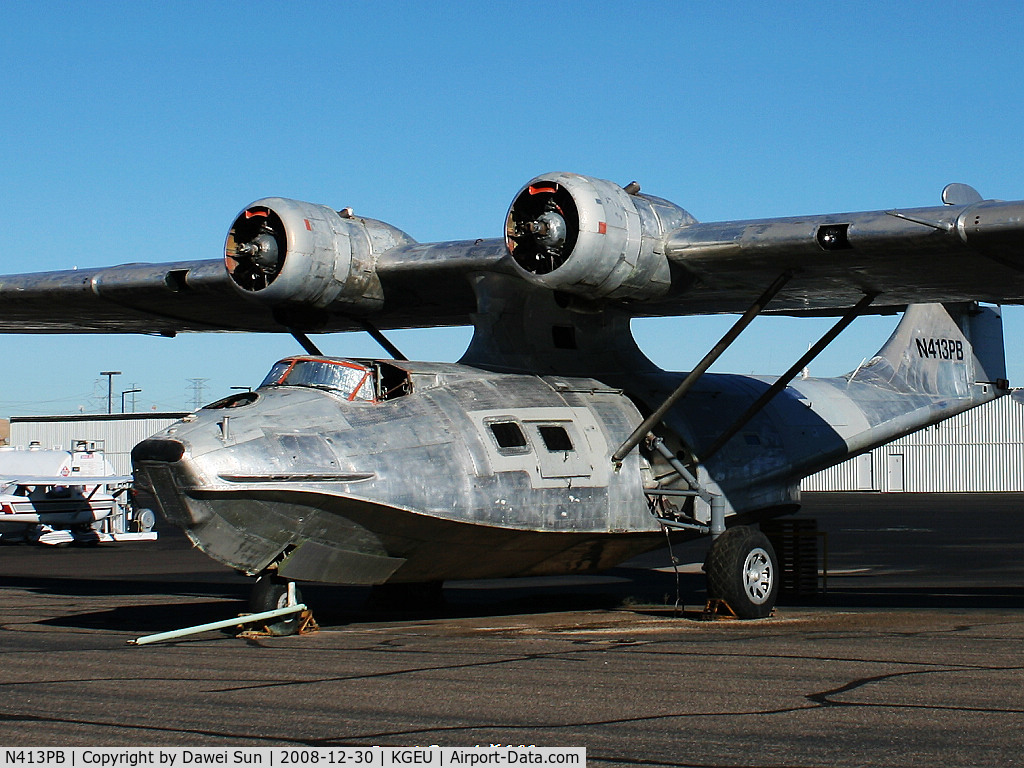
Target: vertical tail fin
{"type": "Point", "coordinates": [940, 351]}
{"type": "Point", "coordinates": [940, 361]}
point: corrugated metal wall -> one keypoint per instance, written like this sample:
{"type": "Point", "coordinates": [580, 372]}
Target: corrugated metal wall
{"type": "Point", "coordinates": [981, 450]}
{"type": "Point", "coordinates": [119, 432]}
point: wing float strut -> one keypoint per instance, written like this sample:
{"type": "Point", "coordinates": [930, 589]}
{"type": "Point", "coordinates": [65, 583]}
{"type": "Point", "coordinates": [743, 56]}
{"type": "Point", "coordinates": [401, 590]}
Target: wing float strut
{"type": "Point", "coordinates": [717, 351]}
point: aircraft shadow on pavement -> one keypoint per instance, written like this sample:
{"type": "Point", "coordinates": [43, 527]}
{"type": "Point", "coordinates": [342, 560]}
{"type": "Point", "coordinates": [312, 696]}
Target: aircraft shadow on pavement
{"type": "Point", "coordinates": [150, 617]}
{"type": "Point", "coordinates": [200, 596]}
{"type": "Point", "coordinates": [335, 606]}
{"type": "Point", "coordinates": [84, 587]}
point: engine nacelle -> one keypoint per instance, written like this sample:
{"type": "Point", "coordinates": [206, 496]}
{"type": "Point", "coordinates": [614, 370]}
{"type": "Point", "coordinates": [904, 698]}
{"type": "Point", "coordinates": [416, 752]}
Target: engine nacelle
{"type": "Point", "coordinates": [287, 252]}
{"type": "Point", "coordinates": [591, 237]}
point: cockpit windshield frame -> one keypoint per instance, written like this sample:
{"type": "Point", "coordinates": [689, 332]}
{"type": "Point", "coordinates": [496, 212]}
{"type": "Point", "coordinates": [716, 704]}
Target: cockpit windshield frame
{"type": "Point", "coordinates": [351, 380]}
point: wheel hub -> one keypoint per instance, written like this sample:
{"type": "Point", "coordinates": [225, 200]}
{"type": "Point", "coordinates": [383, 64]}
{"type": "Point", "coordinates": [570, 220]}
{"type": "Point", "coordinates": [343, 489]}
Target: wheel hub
{"type": "Point", "coordinates": [758, 575]}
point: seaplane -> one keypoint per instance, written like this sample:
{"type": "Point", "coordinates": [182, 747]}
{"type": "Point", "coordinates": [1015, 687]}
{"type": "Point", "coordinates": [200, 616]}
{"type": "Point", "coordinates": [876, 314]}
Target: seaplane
{"type": "Point", "coordinates": [554, 445]}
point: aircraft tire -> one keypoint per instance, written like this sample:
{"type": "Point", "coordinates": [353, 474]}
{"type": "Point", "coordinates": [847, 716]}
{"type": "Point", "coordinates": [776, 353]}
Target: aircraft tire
{"type": "Point", "coordinates": [742, 570]}
{"type": "Point", "coordinates": [269, 593]}
{"type": "Point", "coordinates": [144, 520]}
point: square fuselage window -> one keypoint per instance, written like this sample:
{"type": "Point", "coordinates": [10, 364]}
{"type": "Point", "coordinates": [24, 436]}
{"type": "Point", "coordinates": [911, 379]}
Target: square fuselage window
{"type": "Point", "coordinates": [555, 438]}
{"type": "Point", "coordinates": [509, 436]}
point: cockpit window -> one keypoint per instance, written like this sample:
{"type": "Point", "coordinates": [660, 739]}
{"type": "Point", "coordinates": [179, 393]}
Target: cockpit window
{"type": "Point", "coordinates": [277, 372]}
{"type": "Point", "coordinates": [349, 379]}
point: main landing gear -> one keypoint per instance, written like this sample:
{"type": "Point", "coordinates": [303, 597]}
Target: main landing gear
{"type": "Point", "coordinates": [743, 572]}
{"type": "Point", "coordinates": [741, 566]}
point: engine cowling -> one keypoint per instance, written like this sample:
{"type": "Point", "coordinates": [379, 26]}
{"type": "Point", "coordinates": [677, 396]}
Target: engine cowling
{"type": "Point", "coordinates": [592, 238]}
{"type": "Point", "coordinates": [287, 252]}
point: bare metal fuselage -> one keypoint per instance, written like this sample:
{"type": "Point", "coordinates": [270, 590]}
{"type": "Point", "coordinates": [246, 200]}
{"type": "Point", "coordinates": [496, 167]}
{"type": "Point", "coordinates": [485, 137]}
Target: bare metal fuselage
{"type": "Point", "coordinates": [446, 471]}
{"type": "Point", "coordinates": [469, 474]}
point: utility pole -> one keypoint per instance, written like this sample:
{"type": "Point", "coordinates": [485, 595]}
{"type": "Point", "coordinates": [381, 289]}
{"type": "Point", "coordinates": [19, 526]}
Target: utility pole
{"type": "Point", "coordinates": [132, 393]}
{"type": "Point", "coordinates": [110, 388]}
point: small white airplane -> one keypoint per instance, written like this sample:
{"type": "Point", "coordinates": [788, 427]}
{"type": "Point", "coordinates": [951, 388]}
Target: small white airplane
{"type": "Point", "coordinates": [63, 497]}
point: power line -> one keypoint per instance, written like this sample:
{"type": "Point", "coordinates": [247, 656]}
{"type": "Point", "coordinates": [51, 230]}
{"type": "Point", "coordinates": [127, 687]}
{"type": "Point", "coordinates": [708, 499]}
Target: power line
{"type": "Point", "coordinates": [197, 386]}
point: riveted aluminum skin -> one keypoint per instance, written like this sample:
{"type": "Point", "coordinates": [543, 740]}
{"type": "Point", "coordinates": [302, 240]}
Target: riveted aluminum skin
{"type": "Point", "coordinates": [421, 487]}
{"type": "Point", "coordinates": [500, 464]}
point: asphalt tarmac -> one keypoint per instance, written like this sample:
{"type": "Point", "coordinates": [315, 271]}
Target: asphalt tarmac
{"type": "Point", "coordinates": [914, 656]}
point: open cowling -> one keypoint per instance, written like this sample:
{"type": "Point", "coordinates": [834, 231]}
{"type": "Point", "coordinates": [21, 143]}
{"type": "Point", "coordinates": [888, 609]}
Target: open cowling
{"type": "Point", "coordinates": [592, 238]}
{"type": "Point", "coordinates": [288, 252]}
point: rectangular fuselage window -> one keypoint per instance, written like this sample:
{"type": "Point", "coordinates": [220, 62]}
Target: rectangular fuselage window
{"type": "Point", "coordinates": [555, 438]}
{"type": "Point", "coordinates": [509, 436]}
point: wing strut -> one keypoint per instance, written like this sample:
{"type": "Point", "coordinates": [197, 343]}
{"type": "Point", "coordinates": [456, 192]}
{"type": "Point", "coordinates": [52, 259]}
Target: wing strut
{"type": "Point", "coordinates": [788, 376]}
{"type": "Point", "coordinates": [726, 341]}
{"type": "Point", "coordinates": [383, 340]}
{"type": "Point", "coordinates": [306, 342]}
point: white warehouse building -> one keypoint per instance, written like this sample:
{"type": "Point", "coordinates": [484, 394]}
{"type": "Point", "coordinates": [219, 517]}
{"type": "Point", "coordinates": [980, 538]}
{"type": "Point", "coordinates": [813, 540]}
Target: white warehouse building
{"type": "Point", "coordinates": [117, 433]}
{"type": "Point", "coordinates": [981, 450]}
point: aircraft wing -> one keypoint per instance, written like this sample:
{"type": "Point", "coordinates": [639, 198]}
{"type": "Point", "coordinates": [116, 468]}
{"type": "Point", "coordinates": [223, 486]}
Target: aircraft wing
{"type": "Point", "coordinates": [948, 254]}
{"type": "Point", "coordinates": [424, 286]}
{"type": "Point", "coordinates": [291, 265]}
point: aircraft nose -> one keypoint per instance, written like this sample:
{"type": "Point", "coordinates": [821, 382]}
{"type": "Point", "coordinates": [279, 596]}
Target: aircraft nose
{"type": "Point", "coordinates": [158, 449]}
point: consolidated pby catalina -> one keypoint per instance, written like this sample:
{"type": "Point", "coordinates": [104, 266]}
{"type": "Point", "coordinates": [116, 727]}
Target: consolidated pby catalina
{"type": "Point", "coordinates": [554, 445]}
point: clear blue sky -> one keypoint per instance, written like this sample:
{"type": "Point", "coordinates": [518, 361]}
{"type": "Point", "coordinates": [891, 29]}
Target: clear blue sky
{"type": "Point", "coordinates": [136, 131]}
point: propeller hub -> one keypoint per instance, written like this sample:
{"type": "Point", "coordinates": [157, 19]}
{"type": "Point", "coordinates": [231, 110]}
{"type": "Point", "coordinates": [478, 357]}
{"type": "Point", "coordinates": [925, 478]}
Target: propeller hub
{"type": "Point", "coordinates": [263, 251]}
{"type": "Point", "coordinates": [548, 230]}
